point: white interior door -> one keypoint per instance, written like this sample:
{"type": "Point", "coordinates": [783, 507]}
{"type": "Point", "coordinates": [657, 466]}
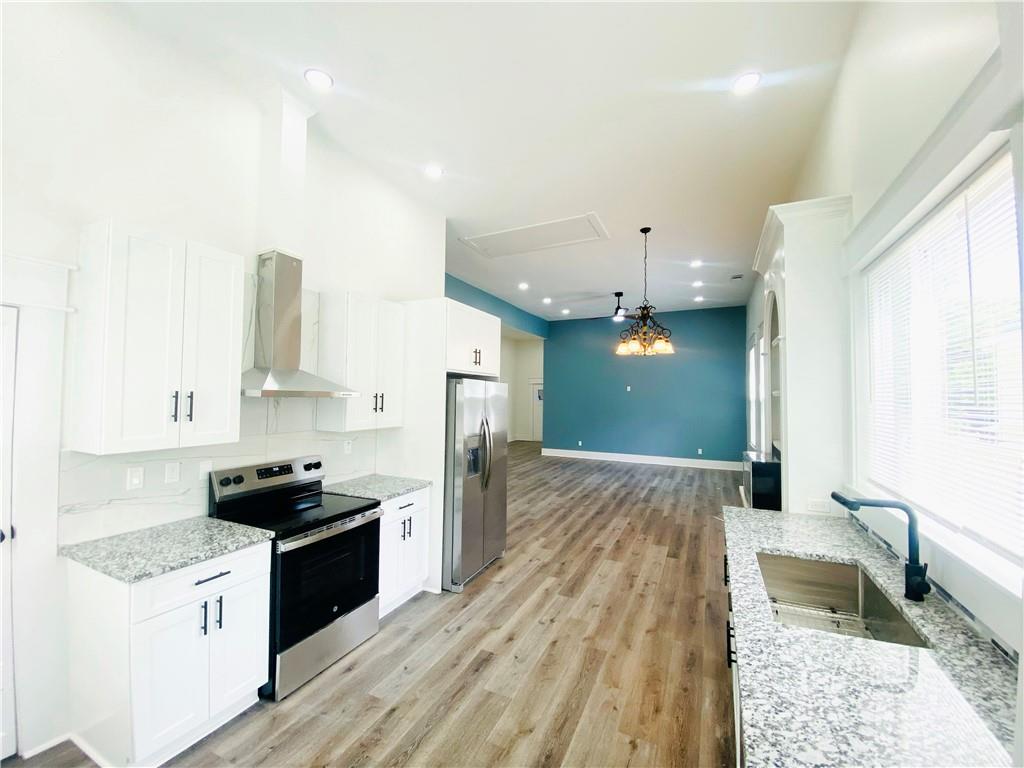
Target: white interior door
{"type": "Point", "coordinates": [210, 369]}
{"type": "Point", "coordinates": [537, 408]}
{"type": "Point", "coordinates": [9, 332]}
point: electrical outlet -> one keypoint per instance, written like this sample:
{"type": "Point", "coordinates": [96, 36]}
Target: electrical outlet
{"type": "Point", "coordinates": [629, 388]}
{"type": "Point", "coordinates": [135, 478]}
{"type": "Point", "coordinates": [579, 443]}
{"type": "Point", "coordinates": [347, 446]}
{"type": "Point", "coordinates": [700, 451]}
{"type": "Point", "coordinates": [172, 472]}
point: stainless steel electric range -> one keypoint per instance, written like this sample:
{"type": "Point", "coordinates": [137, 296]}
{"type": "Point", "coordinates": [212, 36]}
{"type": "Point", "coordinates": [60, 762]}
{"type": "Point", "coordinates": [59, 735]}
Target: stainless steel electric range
{"type": "Point", "coordinates": [325, 568]}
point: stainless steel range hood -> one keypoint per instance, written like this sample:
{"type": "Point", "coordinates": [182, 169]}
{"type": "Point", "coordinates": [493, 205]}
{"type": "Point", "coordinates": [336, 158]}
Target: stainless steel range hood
{"type": "Point", "coordinates": [278, 335]}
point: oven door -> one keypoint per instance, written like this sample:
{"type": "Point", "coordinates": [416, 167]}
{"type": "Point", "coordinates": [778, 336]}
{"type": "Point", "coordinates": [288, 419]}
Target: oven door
{"type": "Point", "coordinates": [324, 575]}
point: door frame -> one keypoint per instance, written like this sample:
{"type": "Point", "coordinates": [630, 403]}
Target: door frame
{"type": "Point", "coordinates": [533, 427]}
{"type": "Point", "coordinates": [9, 746]}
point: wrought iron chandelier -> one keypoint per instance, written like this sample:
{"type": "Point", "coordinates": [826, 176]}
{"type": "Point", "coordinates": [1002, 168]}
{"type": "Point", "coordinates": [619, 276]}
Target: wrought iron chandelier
{"type": "Point", "coordinates": [646, 336]}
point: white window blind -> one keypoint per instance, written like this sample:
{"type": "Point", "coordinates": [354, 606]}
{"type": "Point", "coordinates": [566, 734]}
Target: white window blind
{"type": "Point", "coordinates": [946, 384]}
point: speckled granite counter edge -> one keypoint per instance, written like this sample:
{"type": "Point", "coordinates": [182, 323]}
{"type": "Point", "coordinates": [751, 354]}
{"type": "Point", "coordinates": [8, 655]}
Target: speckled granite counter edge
{"type": "Point", "coordinates": [379, 487]}
{"type": "Point", "coordinates": [149, 552]}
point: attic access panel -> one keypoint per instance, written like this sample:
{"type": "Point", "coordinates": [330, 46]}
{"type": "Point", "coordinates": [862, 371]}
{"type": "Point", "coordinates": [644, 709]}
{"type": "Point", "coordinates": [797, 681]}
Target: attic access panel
{"type": "Point", "coordinates": [536, 237]}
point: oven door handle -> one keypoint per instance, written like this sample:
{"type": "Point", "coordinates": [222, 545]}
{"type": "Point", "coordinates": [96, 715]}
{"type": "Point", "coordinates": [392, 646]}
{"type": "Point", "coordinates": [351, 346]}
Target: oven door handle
{"type": "Point", "coordinates": [305, 539]}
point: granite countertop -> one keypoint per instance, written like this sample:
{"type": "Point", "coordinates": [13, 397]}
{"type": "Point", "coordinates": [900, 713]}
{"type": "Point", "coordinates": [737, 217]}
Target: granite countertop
{"type": "Point", "coordinates": [811, 698]}
{"type": "Point", "coordinates": [149, 552]}
{"type": "Point", "coordinates": [379, 487]}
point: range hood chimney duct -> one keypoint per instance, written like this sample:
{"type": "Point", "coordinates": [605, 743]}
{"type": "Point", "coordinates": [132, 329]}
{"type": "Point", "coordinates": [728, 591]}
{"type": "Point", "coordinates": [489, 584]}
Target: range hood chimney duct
{"type": "Point", "coordinates": [279, 333]}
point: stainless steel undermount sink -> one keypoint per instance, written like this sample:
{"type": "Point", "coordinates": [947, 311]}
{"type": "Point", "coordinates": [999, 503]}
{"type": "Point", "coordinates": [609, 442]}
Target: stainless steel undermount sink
{"type": "Point", "coordinates": [834, 597]}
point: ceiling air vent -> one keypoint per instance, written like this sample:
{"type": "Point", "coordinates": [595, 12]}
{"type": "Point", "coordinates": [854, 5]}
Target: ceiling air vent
{"type": "Point", "coordinates": [536, 237]}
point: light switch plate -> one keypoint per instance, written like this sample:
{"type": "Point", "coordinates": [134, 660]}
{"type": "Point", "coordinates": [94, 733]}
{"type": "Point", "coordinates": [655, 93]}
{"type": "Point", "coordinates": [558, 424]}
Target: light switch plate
{"type": "Point", "coordinates": [135, 478]}
{"type": "Point", "coordinates": [172, 472]}
{"type": "Point", "coordinates": [629, 388]}
{"type": "Point", "coordinates": [700, 451]}
{"type": "Point", "coordinates": [579, 443]}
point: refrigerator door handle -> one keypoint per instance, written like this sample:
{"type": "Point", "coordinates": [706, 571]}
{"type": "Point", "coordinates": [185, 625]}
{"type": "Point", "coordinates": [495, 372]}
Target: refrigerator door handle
{"type": "Point", "coordinates": [490, 453]}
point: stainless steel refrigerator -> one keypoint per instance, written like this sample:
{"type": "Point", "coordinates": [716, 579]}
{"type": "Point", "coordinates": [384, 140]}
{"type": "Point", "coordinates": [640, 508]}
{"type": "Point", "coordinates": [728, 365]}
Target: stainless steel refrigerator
{"type": "Point", "coordinates": [476, 479]}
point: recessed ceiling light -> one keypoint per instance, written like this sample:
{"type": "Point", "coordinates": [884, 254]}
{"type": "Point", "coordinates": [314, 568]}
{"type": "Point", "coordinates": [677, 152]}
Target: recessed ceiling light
{"type": "Point", "coordinates": [546, 299]}
{"type": "Point", "coordinates": [698, 298]}
{"type": "Point", "coordinates": [697, 283]}
{"type": "Point", "coordinates": [433, 171]}
{"type": "Point", "coordinates": [696, 263]}
{"type": "Point", "coordinates": [745, 83]}
{"type": "Point", "coordinates": [318, 79]}
{"type": "Point", "coordinates": [524, 286]}
{"type": "Point", "coordinates": [565, 311]}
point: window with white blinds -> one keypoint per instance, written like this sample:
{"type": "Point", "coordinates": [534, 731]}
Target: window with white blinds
{"type": "Point", "coordinates": [946, 383]}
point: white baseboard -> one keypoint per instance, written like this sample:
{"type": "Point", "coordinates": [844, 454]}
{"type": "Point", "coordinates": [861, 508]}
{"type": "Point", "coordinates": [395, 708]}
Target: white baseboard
{"type": "Point", "coordinates": [44, 746]}
{"type": "Point", "coordinates": [635, 458]}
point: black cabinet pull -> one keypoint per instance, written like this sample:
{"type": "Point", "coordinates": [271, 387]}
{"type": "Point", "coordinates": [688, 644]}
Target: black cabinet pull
{"type": "Point", "coordinates": [730, 654]}
{"type": "Point", "coordinates": [725, 570]}
{"type": "Point", "coordinates": [220, 612]}
{"type": "Point", "coordinates": [382, 402]}
{"type": "Point", "coordinates": [191, 402]}
{"type": "Point", "coordinates": [406, 506]}
{"type": "Point", "coordinates": [410, 526]}
{"type": "Point", "coordinates": [205, 616]}
{"type": "Point", "coordinates": [403, 530]}
{"type": "Point", "coordinates": [174, 410]}
{"type": "Point", "coordinates": [374, 402]}
{"type": "Point", "coordinates": [211, 578]}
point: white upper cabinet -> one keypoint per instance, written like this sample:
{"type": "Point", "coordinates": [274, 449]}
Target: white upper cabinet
{"type": "Point", "coordinates": [362, 347]}
{"type": "Point", "coordinates": [473, 340]}
{"type": "Point", "coordinates": [154, 340]}
{"type": "Point", "coordinates": [210, 368]}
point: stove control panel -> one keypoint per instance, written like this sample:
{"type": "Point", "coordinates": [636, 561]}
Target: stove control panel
{"type": "Point", "coordinates": [225, 483]}
{"type": "Point", "coordinates": [262, 473]}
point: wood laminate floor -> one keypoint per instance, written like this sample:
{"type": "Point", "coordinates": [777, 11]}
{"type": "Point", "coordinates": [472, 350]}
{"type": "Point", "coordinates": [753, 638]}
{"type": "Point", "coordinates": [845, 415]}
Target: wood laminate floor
{"type": "Point", "coordinates": [597, 641]}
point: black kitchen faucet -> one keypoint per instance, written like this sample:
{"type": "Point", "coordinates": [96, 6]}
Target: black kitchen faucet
{"type": "Point", "coordinates": [915, 572]}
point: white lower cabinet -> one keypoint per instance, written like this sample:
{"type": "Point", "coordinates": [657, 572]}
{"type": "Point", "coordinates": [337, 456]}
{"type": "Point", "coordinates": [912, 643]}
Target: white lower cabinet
{"type": "Point", "coordinates": [159, 664]}
{"type": "Point", "coordinates": [403, 548]}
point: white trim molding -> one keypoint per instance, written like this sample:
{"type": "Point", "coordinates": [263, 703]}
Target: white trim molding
{"type": "Point", "coordinates": [636, 458]}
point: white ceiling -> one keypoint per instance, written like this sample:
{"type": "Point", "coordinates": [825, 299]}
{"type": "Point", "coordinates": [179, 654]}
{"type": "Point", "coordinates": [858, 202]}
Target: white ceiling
{"type": "Point", "coordinates": [540, 112]}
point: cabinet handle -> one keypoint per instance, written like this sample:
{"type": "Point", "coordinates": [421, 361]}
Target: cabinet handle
{"type": "Point", "coordinates": [206, 612]}
{"type": "Point", "coordinates": [375, 402]}
{"type": "Point", "coordinates": [410, 526]}
{"type": "Point", "coordinates": [725, 570]}
{"type": "Point", "coordinates": [174, 410]}
{"type": "Point", "coordinates": [211, 578]}
{"type": "Point", "coordinates": [406, 506]}
{"type": "Point", "coordinates": [403, 530]}
{"type": "Point", "coordinates": [479, 357]}
{"type": "Point", "coordinates": [730, 654]}
{"type": "Point", "coordinates": [382, 402]}
{"type": "Point", "coordinates": [220, 612]}
{"type": "Point", "coordinates": [191, 402]}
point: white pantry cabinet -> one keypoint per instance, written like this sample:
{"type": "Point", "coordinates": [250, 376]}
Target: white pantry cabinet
{"type": "Point", "coordinates": [473, 340]}
{"type": "Point", "coordinates": [403, 548]}
{"type": "Point", "coordinates": [154, 342]}
{"type": "Point", "coordinates": [362, 347]}
{"type": "Point", "coordinates": [159, 664]}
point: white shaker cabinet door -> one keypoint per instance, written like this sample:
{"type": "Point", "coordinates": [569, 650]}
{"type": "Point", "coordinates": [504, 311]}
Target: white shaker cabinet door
{"type": "Point", "coordinates": [390, 563]}
{"type": "Point", "coordinates": [239, 638]}
{"type": "Point", "coordinates": [170, 689]}
{"type": "Point", "coordinates": [361, 363]}
{"type": "Point", "coordinates": [141, 381]}
{"type": "Point", "coordinates": [390, 363]}
{"type": "Point", "coordinates": [210, 368]}
{"type": "Point", "coordinates": [463, 342]}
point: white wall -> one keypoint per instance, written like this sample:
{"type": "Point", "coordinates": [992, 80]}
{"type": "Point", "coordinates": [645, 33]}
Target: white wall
{"type": "Point", "coordinates": [522, 364]}
{"type": "Point", "coordinates": [110, 122]}
{"type": "Point", "coordinates": [906, 66]}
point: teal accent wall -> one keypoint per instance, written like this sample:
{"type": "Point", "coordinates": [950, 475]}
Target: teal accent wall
{"type": "Point", "coordinates": [509, 313]}
{"type": "Point", "coordinates": [678, 403]}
